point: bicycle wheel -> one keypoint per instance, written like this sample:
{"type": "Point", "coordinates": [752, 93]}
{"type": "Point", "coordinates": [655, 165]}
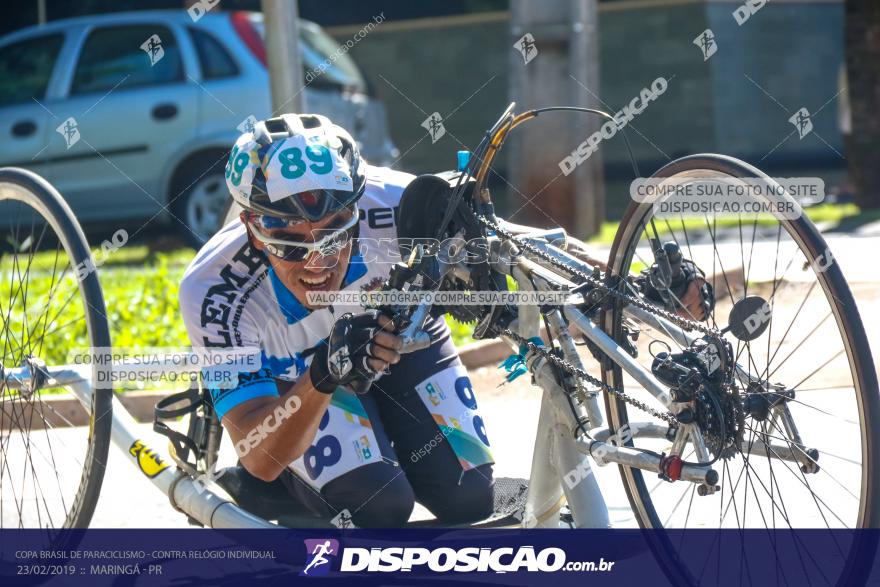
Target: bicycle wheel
{"type": "Point", "coordinates": [53, 447]}
{"type": "Point", "coordinates": [814, 346]}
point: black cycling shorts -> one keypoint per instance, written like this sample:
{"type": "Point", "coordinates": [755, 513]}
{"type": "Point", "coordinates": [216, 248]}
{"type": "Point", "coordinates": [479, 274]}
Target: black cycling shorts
{"type": "Point", "coordinates": [415, 436]}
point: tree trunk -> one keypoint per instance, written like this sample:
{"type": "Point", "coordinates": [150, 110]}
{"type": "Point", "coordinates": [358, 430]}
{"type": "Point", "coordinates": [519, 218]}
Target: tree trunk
{"type": "Point", "coordinates": [862, 44]}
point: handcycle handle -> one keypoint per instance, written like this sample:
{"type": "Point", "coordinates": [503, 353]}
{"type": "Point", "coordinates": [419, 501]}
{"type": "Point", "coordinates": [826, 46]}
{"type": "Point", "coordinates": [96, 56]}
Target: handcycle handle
{"type": "Point", "coordinates": [414, 339]}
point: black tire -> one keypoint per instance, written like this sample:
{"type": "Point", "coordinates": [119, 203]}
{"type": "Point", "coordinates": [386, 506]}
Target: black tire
{"type": "Point", "coordinates": [853, 340]}
{"type": "Point", "coordinates": [199, 197]}
{"type": "Point", "coordinates": [24, 192]}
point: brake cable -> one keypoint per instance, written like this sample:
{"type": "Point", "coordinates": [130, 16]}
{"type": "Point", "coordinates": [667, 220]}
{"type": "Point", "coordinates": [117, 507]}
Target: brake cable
{"type": "Point", "coordinates": [485, 154]}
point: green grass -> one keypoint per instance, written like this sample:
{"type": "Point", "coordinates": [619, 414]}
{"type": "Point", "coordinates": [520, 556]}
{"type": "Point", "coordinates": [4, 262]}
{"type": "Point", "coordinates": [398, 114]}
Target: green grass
{"type": "Point", "coordinates": [835, 215]}
{"type": "Point", "coordinates": [134, 256]}
{"type": "Point", "coordinates": [140, 293]}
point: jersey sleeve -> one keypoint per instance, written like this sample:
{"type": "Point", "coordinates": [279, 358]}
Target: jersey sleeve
{"type": "Point", "coordinates": [227, 346]}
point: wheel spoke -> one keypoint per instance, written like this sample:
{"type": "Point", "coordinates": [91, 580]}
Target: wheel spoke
{"type": "Point", "coordinates": [770, 481]}
{"type": "Point", "coordinates": [50, 468]}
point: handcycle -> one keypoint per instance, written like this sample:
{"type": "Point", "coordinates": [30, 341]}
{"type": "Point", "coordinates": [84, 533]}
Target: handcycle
{"type": "Point", "coordinates": [762, 416]}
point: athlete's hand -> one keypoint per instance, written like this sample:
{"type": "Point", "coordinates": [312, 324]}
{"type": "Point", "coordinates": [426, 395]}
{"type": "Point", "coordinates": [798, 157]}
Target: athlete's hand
{"type": "Point", "coordinates": [359, 347]}
{"type": "Point", "coordinates": [698, 299]}
{"type": "Point", "coordinates": [693, 296]}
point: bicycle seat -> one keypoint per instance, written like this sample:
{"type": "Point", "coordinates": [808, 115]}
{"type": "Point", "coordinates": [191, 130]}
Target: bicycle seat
{"type": "Point", "coordinates": [272, 501]}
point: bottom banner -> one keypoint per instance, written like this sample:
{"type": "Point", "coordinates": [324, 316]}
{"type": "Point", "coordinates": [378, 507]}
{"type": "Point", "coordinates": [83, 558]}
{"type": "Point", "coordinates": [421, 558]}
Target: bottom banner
{"type": "Point", "coordinates": [426, 557]}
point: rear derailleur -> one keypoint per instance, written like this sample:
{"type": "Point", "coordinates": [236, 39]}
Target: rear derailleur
{"type": "Point", "coordinates": [702, 377]}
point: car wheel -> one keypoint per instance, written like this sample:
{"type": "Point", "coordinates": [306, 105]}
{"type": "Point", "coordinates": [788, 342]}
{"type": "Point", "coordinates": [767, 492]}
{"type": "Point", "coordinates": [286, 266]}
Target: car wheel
{"type": "Point", "coordinates": [199, 209]}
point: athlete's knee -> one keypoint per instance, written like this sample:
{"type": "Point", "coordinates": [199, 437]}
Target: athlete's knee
{"type": "Point", "coordinates": [470, 500]}
{"type": "Point", "coordinates": [376, 495]}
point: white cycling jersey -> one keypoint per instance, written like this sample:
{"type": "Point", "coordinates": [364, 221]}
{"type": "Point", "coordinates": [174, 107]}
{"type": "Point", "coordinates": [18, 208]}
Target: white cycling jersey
{"type": "Point", "coordinates": [231, 298]}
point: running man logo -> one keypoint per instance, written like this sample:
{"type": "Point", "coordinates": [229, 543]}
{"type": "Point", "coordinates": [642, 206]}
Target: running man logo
{"type": "Point", "coordinates": [343, 520]}
{"type": "Point", "coordinates": [706, 42]}
{"type": "Point", "coordinates": [340, 362]}
{"type": "Point", "coordinates": [153, 48]}
{"type": "Point", "coordinates": [248, 124]}
{"type": "Point", "coordinates": [434, 125]}
{"type": "Point", "coordinates": [527, 48]}
{"type": "Point", "coordinates": [149, 462]}
{"type": "Point", "coordinates": [802, 122]}
{"type": "Point", "coordinates": [69, 129]}
{"type": "Point", "coordinates": [319, 556]}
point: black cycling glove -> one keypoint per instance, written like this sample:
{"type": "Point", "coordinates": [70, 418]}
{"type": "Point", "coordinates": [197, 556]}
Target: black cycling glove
{"type": "Point", "coordinates": [341, 359]}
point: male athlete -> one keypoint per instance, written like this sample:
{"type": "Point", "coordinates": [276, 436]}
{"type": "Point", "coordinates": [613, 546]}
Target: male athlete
{"type": "Point", "coordinates": [415, 435]}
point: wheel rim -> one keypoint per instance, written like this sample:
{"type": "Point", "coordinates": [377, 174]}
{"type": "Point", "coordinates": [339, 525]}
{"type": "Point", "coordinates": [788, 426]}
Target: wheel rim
{"type": "Point", "coordinates": [845, 457]}
{"type": "Point", "coordinates": [53, 448]}
{"type": "Point", "coordinates": [205, 205]}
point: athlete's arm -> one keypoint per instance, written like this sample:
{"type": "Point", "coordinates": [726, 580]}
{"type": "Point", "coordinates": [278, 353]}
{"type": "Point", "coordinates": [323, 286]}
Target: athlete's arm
{"type": "Point", "coordinates": [293, 417]}
{"type": "Point", "coordinates": [271, 432]}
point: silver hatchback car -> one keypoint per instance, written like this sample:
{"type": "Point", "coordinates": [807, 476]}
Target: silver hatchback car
{"type": "Point", "coordinates": [132, 115]}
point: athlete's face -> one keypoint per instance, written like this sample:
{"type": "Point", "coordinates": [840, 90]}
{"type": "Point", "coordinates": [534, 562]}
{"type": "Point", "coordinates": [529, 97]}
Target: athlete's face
{"type": "Point", "coordinates": [317, 272]}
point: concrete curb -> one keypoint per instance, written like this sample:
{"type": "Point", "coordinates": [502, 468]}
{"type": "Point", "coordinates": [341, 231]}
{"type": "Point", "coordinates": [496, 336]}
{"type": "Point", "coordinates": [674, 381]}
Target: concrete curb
{"type": "Point", "coordinates": [63, 410]}
{"type": "Point", "coordinates": [484, 352]}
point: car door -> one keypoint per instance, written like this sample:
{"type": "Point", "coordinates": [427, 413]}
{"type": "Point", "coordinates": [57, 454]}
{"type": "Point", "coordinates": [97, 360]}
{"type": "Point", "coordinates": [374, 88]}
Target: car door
{"type": "Point", "coordinates": [25, 71]}
{"type": "Point", "coordinates": [129, 106]}
{"type": "Point", "coordinates": [232, 93]}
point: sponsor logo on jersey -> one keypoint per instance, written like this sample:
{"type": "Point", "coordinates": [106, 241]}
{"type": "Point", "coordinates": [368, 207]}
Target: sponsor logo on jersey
{"type": "Point", "coordinates": [435, 394]}
{"type": "Point", "coordinates": [362, 448]}
{"type": "Point", "coordinates": [379, 217]}
{"type": "Point", "coordinates": [220, 298]}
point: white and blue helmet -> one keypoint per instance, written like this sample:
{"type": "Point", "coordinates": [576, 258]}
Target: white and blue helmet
{"type": "Point", "coordinates": [295, 166]}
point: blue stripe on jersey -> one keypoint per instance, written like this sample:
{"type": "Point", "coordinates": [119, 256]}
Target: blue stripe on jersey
{"type": "Point", "coordinates": [279, 366]}
{"type": "Point", "coordinates": [292, 309]}
{"type": "Point", "coordinates": [223, 402]}
{"type": "Point", "coordinates": [356, 269]}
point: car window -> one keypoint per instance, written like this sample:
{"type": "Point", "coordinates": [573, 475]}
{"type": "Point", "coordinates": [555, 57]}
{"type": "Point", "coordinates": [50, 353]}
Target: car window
{"type": "Point", "coordinates": [325, 62]}
{"type": "Point", "coordinates": [126, 57]}
{"type": "Point", "coordinates": [26, 66]}
{"type": "Point", "coordinates": [214, 59]}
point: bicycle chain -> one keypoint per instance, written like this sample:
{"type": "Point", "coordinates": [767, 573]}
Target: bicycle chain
{"type": "Point", "coordinates": [598, 284]}
{"type": "Point", "coordinates": [668, 417]}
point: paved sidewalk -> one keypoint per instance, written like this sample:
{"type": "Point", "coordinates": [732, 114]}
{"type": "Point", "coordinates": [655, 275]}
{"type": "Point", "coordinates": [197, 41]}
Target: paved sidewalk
{"type": "Point", "coordinates": [857, 256]}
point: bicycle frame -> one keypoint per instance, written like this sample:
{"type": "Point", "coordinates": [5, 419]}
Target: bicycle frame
{"type": "Point", "coordinates": [186, 494]}
{"type": "Point", "coordinates": [558, 450]}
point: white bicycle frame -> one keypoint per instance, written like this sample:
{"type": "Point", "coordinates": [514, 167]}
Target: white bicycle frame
{"type": "Point", "coordinates": [558, 448]}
